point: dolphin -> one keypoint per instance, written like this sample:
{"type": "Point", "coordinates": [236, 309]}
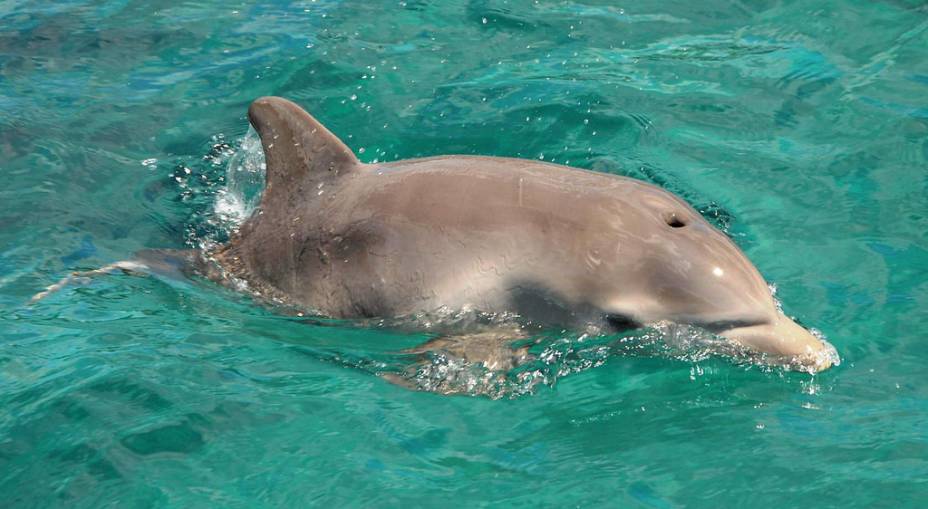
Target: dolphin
{"type": "Point", "coordinates": [545, 242]}
{"type": "Point", "coordinates": [550, 244]}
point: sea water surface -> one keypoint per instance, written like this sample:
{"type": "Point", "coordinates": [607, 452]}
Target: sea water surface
{"type": "Point", "coordinates": [799, 127]}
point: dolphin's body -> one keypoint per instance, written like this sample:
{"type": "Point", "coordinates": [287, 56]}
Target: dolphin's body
{"type": "Point", "coordinates": [546, 242]}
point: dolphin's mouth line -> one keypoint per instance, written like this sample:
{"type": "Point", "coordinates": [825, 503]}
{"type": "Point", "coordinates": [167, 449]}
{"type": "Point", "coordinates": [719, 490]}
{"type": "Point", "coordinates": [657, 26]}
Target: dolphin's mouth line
{"type": "Point", "coordinates": [722, 326]}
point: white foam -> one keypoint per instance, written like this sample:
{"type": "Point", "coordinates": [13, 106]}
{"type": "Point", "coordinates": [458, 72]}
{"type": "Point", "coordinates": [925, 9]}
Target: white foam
{"type": "Point", "coordinates": [244, 183]}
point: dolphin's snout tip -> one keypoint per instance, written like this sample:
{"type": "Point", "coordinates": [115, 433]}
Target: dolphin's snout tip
{"type": "Point", "coordinates": [818, 360]}
{"type": "Point", "coordinates": [784, 342]}
{"type": "Point", "coordinates": [805, 350]}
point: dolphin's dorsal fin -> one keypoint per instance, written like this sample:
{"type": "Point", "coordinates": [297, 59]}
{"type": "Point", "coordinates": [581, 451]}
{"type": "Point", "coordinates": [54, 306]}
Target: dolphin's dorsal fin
{"type": "Point", "coordinates": [300, 153]}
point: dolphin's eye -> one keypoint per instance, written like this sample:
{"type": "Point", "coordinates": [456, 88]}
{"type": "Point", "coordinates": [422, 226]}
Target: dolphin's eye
{"type": "Point", "coordinates": [674, 221]}
{"type": "Point", "coordinates": [620, 323]}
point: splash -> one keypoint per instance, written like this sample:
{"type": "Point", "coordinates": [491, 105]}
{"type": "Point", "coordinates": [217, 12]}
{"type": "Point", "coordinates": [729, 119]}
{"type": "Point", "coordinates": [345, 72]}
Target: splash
{"type": "Point", "coordinates": [545, 359]}
{"type": "Point", "coordinates": [244, 183]}
{"type": "Point", "coordinates": [222, 191]}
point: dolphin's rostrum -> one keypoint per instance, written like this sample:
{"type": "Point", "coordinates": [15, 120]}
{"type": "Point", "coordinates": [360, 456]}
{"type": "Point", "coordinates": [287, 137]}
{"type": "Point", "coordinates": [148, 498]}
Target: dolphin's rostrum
{"type": "Point", "coordinates": [546, 242]}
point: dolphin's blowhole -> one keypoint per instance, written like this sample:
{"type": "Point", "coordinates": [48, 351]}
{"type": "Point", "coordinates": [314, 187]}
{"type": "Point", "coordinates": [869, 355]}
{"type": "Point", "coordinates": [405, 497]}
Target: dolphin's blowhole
{"type": "Point", "coordinates": [674, 221]}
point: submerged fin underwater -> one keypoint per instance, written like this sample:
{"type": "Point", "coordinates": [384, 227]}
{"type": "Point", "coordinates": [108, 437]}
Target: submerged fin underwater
{"type": "Point", "coordinates": [466, 253]}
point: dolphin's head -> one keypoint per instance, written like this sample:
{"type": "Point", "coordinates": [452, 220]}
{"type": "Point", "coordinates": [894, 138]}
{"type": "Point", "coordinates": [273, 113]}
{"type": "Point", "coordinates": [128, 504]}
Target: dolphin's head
{"type": "Point", "coordinates": [692, 273]}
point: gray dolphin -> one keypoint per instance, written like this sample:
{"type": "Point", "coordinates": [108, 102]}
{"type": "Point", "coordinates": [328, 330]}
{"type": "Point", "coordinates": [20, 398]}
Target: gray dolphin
{"type": "Point", "coordinates": [546, 242]}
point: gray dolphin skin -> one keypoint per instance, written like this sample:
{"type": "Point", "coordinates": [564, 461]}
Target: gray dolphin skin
{"type": "Point", "coordinates": [546, 242]}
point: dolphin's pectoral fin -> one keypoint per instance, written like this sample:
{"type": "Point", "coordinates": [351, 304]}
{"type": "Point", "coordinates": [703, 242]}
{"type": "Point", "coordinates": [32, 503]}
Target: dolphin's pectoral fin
{"type": "Point", "coordinates": [401, 380]}
{"type": "Point", "coordinates": [492, 349]}
{"type": "Point", "coordinates": [301, 155]}
{"type": "Point", "coordinates": [467, 363]}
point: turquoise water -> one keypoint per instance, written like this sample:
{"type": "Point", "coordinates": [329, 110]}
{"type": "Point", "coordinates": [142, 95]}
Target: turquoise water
{"type": "Point", "coordinates": [800, 127]}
